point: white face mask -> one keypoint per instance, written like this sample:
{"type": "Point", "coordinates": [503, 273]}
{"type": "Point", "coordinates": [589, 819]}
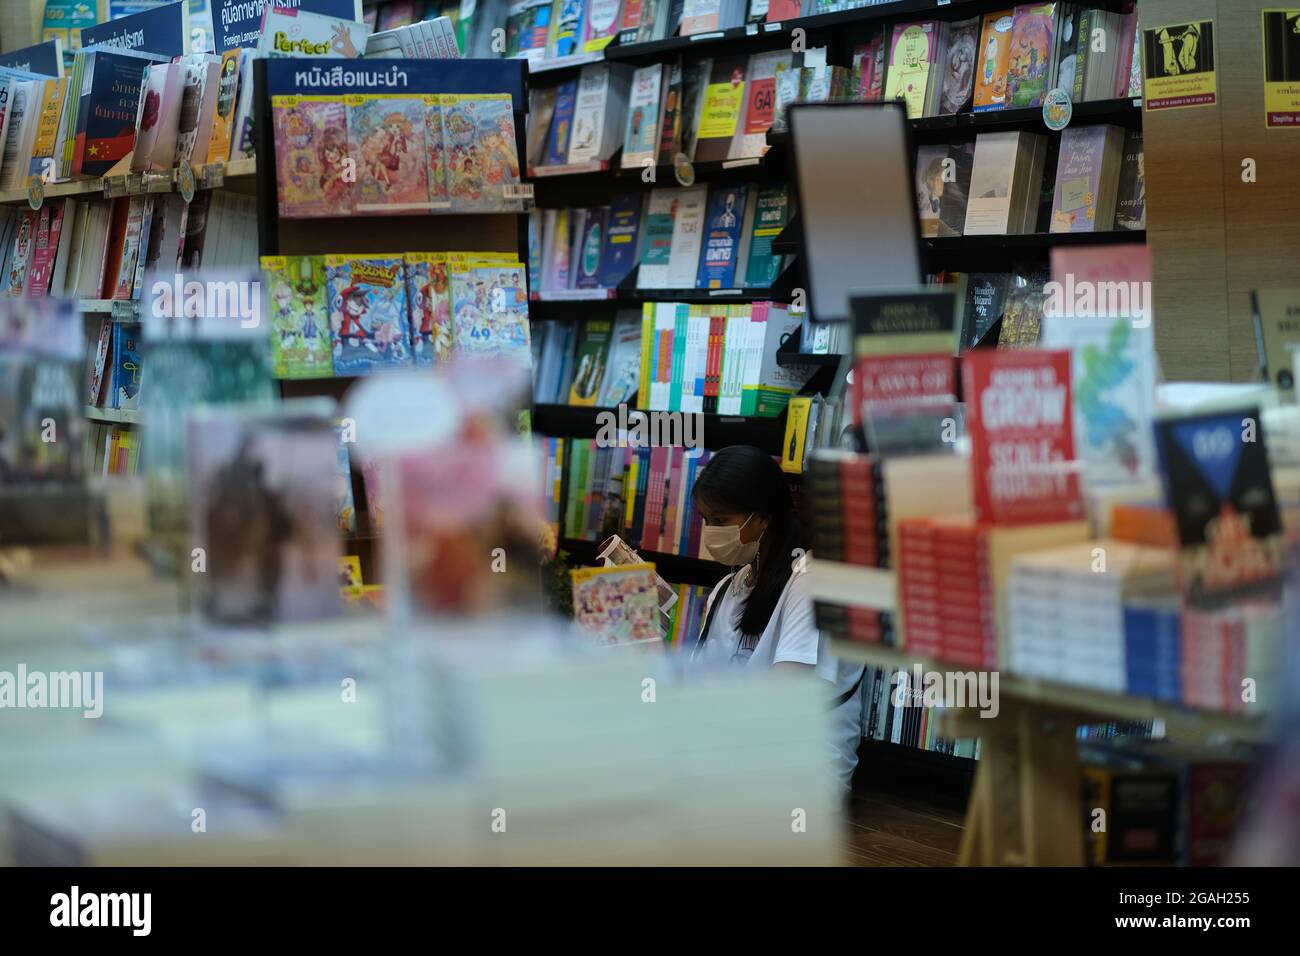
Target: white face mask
{"type": "Point", "coordinates": [723, 544]}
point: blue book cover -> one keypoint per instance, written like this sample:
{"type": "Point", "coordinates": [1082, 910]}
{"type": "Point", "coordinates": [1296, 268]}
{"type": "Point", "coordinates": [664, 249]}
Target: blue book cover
{"type": "Point", "coordinates": [163, 30]}
{"type": "Point", "coordinates": [369, 320]}
{"type": "Point", "coordinates": [621, 232]}
{"type": "Point", "coordinates": [1219, 487]}
{"type": "Point", "coordinates": [107, 110]}
{"type": "Point", "coordinates": [557, 142]}
{"type": "Point", "coordinates": [239, 23]}
{"type": "Point", "coordinates": [722, 224]}
{"type": "Point", "coordinates": [593, 235]}
{"type": "Point", "coordinates": [126, 365]}
{"type": "Point", "coordinates": [44, 59]}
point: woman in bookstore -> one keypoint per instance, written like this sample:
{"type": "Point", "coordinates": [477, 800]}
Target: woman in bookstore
{"type": "Point", "coordinates": [761, 615]}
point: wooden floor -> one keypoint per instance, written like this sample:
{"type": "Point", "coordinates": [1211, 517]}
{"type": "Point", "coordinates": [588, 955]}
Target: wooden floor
{"type": "Point", "coordinates": [889, 830]}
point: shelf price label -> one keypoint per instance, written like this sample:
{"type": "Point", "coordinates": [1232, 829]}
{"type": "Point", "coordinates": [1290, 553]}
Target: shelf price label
{"type": "Point", "coordinates": [212, 175]}
{"type": "Point", "coordinates": [124, 311]}
{"type": "Point", "coordinates": [160, 182]}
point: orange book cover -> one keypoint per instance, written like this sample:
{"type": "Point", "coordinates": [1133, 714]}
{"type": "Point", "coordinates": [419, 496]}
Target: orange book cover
{"type": "Point", "coordinates": [991, 67]}
{"type": "Point", "coordinates": [116, 242]}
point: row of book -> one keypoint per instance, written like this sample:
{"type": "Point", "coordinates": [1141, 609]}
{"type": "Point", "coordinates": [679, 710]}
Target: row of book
{"type": "Point", "coordinates": [996, 184]}
{"type": "Point", "coordinates": [103, 249]}
{"type": "Point", "coordinates": [675, 357]}
{"type": "Point", "coordinates": [895, 715]}
{"type": "Point", "coordinates": [340, 315]}
{"type": "Point", "coordinates": [395, 154]}
{"type": "Point", "coordinates": [641, 494]}
{"type": "Point", "coordinates": [1098, 184]}
{"type": "Point", "coordinates": [1010, 59]}
{"type": "Point", "coordinates": [697, 237]}
{"type": "Point", "coordinates": [116, 449]}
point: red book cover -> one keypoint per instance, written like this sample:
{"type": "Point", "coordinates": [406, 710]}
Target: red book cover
{"type": "Point", "coordinates": [116, 240]}
{"type": "Point", "coordinates": [43, 249]}
{"type": "Point", "coordinates": [654, 499]}
{"type": "Point", "coordinates": [1019, 417]}
{"type": "Point", "coordinates": [667, 534]}
{"type": "Point", "coordinates": [717, 325]}
{"type": "Point", "coordinates": [783, 10]}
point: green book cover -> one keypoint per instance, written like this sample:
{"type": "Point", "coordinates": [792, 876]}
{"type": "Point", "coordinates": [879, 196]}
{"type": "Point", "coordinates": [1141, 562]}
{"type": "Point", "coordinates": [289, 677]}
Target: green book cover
{"type": "Point", "coordinates": [680, 322]}
{"type": "Point", "coordinates": [591, 356]}
{"type": "Point", "coordinates": [771, 213]}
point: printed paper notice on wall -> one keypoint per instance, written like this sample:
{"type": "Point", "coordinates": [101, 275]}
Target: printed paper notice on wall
{"type": "Point", "coordinates": [1282, 69]}
{"type": "Point", "coordinates": [1178, 66]}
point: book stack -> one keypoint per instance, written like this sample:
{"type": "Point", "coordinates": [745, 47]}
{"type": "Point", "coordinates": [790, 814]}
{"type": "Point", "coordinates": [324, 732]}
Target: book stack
{"type": "Point", "coordinates": [425, 40]}
{"type": "Point", "coordinates": [845, 491]}
{"type": "Point", "coordinates": [1067, 611]}
{"type": "Point", "coordinates": [594, 362]}
{"type": "Point", "coordinates": [580, 121]}
{"type": "Point", "coordinates": [686, 618]}
{"type": "Point", "coordinates": [117, 449]}
{"type": "Point", "coordinates": [716, 358]}
{"type": "Point", "coordinates": [1104, 71]}
{"type": "Point", "coordinates": [894, 714]}
{"type": "Point", "coordinates": [641, 494]}
{"type": "Point", "coordinates": [1153, 647]}
{"type": "Point", "coordinates": [698, 238]}
{"type": "Point", "coordinates": [1006, 182]}
{"type": "Point", "coordinates": [1222, 648]}
{"type": "Point", "coordinates": [943, 179]}
{"type": "Point", "coordinates": [352, 314]}
{"type": "Point", "coordinates": [1087, 179]}
{"type": "Point", "coordinates": [935, 555]}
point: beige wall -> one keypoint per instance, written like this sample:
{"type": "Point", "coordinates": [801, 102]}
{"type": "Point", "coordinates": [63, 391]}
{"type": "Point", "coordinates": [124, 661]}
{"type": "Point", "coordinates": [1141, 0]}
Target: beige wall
{"type": "Point", "coordinates": [20, 23]}
{"type": "Point", "coordinates": [1213, 237]}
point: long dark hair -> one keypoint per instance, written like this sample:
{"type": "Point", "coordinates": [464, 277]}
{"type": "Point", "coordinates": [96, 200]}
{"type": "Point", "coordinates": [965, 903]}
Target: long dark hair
{"type": "Point", "coordinates": [742, 479]}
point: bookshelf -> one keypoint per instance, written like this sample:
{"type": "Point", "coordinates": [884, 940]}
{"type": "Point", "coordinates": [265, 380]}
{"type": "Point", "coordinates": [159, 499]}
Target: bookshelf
{"type": "Point", "coordinates": [385, 234]}
{"type": "Point", "coordinates": [719, 431]}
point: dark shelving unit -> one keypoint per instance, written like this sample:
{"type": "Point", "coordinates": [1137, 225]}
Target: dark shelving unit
{"type": "Point", "coordinates": [719, 431]}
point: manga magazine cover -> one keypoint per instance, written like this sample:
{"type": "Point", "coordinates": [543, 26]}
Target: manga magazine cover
{"type": "Point", "coordinates": [428, 294]}
{"type": "Point", "coordinates": [368, 316]}
{"type": "Point", "coordinates": [438, 196]}
{"type": "Point", "coordinates": [386, 134]}
{"type": "Point", "coordinates": [489, 302]}
{"type": "Point", "coordinates": [482, 156]}
{"type": "Point", "coordinates": [300, 335]}
{"type": "Point", "coordinates": [311, 149]}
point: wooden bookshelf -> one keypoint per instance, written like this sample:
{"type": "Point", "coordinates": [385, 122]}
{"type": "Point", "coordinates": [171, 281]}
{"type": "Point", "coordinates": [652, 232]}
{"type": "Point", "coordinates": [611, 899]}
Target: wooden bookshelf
{"type": "Point", "coordinates": [240, 170]}
{"type": "Point", "coordinates": [115, 416]}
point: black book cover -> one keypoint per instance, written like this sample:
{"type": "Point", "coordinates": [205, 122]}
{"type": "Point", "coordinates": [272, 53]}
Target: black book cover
{"type": "Point", "coordinates": [1218, 486]}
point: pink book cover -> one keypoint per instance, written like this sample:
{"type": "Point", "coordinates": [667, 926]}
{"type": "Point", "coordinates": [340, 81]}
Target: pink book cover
{"type": "Point", "coordinates": [1079, 268]}
{"type": "Point", "coordinates": [311, 146]}
{"type": "Point", "coordinates": [783, 10]}
{"type": "Point", "coordinates": [386, 136]}
{"type": "Point", "coordinates": [654, 505]}
{"type": "Point", "coordinates": [47, 242]}
{"type": "Point", "coordinates": [667, 534]}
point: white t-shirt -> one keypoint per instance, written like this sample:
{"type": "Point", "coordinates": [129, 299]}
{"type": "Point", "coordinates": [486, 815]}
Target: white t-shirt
{"type": "Point", "coordinates": [791, 635]}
